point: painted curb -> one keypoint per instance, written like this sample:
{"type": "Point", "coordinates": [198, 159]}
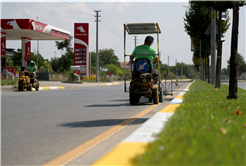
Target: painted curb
{"type": "Point", "coordinates": [105, 84]}
{"type": "Point", "coordinates": [50, 87]}
{"type": "Point", "coordinates": [140, 138]}
{"type": "Point", "coordinates": [45, 88]}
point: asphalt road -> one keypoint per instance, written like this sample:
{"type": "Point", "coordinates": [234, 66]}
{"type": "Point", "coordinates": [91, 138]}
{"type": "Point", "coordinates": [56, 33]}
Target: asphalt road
{"type": "Point", "coordinates": [39, 126]}
{"type": "Point", "coordinates": [240, 85]}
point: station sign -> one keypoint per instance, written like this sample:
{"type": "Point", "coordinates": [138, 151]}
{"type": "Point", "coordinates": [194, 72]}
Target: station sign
{"type": "Point", "coordinates": [11, 70]}
{"type": "Point", "coordinates": [3, 43]}
{"type": "Point", "coordinates": [81, 47]}
{"type": "Point", "coordinates": [103, 69]}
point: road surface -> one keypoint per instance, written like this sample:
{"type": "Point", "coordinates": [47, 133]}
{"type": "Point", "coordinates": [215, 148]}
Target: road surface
{"type": "Point", "coordinates": [38, 127]}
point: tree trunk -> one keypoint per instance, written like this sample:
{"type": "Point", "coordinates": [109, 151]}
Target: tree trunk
{"type": "Point", "coordinates": [206, 73]}
{"type": "Point", "coordinates": [204, 67]}
{"type": "Point", "coordinates": [219, 53]}
{"type": "Point", "coordinates": [233, 63]}
{"type": "Point", "coordinates": [208, 65]}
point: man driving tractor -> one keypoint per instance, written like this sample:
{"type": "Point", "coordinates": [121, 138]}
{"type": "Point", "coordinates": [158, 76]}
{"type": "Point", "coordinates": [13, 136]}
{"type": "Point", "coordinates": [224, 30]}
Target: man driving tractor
{"type": "Point", "coordinates": [32, 68]}
{"type": "Point", "coordinates": [146, 49]}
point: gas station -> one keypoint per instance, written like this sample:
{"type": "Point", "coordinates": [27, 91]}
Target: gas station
{"type": "Point", "coordinates": [27, 30]}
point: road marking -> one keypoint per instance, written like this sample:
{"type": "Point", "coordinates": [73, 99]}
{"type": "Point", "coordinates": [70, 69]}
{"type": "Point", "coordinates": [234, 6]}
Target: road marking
{"type": "Point", "coordinates": [179, 97]}
{"type": "Point", "coordinates": [65, 158]}
{"type": "Point", "coordinates": [169, 108]}
{"type": "Point", "coordinates": [126, 150]}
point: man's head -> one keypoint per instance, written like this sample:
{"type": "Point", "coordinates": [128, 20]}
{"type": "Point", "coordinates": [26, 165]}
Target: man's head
{"type": "Point", "coordinates": [32, 63]}
{"type": "Point", "coordinates": [148, 40]}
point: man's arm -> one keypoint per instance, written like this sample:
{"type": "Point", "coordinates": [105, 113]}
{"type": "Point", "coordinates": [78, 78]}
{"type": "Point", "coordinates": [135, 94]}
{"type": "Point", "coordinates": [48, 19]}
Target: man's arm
{"type": "Point", "coordinates": [157, 59]}
{"type": "Point", "coordinates": [131, 58]}
{"type": "Point", "coordinates": [26, 69]}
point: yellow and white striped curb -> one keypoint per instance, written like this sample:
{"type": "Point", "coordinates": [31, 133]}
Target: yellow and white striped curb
{"type": "Point", "coordinates": [111, 83]}
{"type": "Point", "coordinates": [49, 88]}
{"type": "Point", "coordinates": [136, 143]}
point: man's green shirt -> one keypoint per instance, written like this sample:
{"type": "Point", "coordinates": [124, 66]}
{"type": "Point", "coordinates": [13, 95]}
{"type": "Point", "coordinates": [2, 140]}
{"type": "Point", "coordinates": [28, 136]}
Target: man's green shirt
{"type": "Point", "coordinates": [144, 50]}
{"type": "Point", "coordinates": [31, 68]}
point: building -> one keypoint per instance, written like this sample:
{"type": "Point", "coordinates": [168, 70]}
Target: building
{"type": "Point", "coordinates": [128, 65]}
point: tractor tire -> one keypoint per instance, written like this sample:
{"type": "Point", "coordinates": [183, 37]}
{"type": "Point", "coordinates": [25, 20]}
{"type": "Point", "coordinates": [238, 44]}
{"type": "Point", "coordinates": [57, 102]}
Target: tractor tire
{"type": "Point", "coordinates": [161, 95]}
{"type": "Point", "coordinates": [37, 86]}
{"type": "Point", "coordinates": [155, 96]}
{"type": "Point", "coordinates": [137, 100]}
{"type": "Point", "coordinates": [30, 87]}
{"type": "Point", "coordinates": [132, 98]}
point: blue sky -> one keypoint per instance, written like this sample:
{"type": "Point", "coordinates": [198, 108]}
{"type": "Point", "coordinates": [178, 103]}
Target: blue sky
{"type": "Point", "coordinates": [174, 42]}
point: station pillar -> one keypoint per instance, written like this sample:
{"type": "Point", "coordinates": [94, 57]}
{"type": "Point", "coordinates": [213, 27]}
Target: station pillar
{"type": "Point", "coordinates": [2, 49]}
{"type": "Point", "coordinates": [25, 52]}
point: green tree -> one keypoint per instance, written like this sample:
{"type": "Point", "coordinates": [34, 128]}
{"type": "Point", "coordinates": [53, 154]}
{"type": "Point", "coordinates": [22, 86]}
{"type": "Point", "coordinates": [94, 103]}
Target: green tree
{"type": "Point", "coordinates": [65, 62]}
{"type": "Point", "coordinates": [107, 56]}
{"type": "Point", "coordinates": [16, 58]}
{"type": "Point", "coordinates": [54, 62]}
{"type": "Point", "coordinates": [113, 69]}
{"type": "Point", "coordinates": [199, 17]}
{"type": "Point", "coordinates": [221, 6]}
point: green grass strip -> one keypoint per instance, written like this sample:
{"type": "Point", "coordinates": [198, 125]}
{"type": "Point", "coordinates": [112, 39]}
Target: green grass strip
{"type": "Point", "coordinates": [8, 82]}
{"type": "Point", "coordinates": [205, 130]}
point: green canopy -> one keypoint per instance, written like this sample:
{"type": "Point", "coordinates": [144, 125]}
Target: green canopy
{"type": "Point", "coordinates": [142, 28]}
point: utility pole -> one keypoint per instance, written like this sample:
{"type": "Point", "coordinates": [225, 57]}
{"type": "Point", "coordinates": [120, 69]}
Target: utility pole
{"type": "Point", "coordinates": [181, 70]}
{"type": "Point", "coordinates": [213, 45]}
{"type": "Point", "coordinates": [135, 41]}
{"type": "Point", "coordinates": [97, 58]}
{"type": "Point", "coordinates": [37, 49]}
{"type": "Point", "coordinates": [168, 67]}
{"type": "Point", "coordinates": [90, 64]}
{"type": "Point", "coordinates": [176, 69]}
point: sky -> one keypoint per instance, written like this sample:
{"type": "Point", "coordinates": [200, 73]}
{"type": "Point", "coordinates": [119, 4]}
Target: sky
{"type": "Point", "coordinates": [174, 41]}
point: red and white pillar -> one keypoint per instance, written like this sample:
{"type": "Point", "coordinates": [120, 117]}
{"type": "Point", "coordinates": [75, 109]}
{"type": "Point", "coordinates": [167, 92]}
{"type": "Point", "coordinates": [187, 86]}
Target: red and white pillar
{"type": "Point", "coordinates": [2, 47]}
{"type": "Point", "coordinates": [26, 51]}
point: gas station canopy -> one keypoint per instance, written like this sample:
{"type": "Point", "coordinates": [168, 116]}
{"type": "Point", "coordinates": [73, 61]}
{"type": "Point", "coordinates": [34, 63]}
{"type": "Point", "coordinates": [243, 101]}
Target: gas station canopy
{"type": "Point", "coordinates": [17, 29]}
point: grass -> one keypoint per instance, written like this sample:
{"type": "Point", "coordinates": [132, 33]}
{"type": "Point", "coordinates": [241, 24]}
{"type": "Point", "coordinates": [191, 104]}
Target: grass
{"type": "Point", "coordinates": [205, 130]}
{"type": "Point", "coordinates": [8, 82]}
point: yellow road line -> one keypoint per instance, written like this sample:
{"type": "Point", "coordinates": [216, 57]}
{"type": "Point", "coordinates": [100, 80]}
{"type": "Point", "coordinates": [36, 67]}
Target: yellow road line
{"type": "Point", "coordinates": [169, 108]}
{"type": "Point", "coordinates": [60, 87]}
{"type": "Point", "coordinates": [126, 151]}
{"type": "Point", "coordinates": [63, 159]}
{"type": "Point", "coordinates": [179, 97]}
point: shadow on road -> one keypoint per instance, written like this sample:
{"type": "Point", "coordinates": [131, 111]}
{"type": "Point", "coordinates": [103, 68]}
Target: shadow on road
{"type": "Point", "coordinates": [104, 122]}
{"type": "Point", "coordinates": [120, 105]}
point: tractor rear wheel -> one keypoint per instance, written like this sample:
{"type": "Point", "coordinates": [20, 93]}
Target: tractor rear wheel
{"type": "Point", "coordinates": [37, 86]}
{"type": "Point", "coordinates": [155, 96]}
{"type": "Point", "coordinates": [30, 87]}
{"type": "Point", "coordinates": [161, 96]}
{"type": "Point", "coordinates": [132, 97]}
